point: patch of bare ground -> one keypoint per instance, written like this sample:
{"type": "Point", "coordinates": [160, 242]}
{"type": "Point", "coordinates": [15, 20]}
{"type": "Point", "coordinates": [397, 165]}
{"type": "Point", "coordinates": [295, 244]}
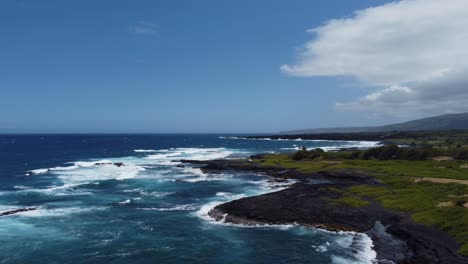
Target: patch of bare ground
{"type": "Point", "coordinates": [441, 180]}
{"type": "Point", "coordinates": [442, 158]}
{"type": "Point", "coordinates": [445, 204]}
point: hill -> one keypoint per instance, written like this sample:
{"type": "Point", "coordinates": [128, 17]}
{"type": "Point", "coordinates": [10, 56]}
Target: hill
{"type": "Point", "coordinates": [436, 123]}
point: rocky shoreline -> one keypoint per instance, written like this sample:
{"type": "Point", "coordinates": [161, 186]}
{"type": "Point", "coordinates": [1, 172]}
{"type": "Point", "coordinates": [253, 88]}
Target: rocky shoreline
{"type": "Point", "coordinates": [308, 202]}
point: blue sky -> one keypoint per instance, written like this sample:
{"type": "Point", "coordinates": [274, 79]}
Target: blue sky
{"type": "Point", "coordinates": [174, 66]}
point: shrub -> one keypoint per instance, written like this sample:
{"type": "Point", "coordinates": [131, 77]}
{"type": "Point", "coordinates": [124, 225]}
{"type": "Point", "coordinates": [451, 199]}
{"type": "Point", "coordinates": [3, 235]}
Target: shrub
{"type": "Point", "coordinates": [312, 154]}
{"type": "Point", "coordinates": [300, 154]}
{"type": "Point", "coordinates": [388, 152]}
{"type": "Point", "coordinates": [462, 155]}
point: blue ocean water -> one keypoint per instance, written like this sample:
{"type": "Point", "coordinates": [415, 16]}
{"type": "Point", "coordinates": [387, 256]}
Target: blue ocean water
{"type": "Point", "coordinates": [150, 210]}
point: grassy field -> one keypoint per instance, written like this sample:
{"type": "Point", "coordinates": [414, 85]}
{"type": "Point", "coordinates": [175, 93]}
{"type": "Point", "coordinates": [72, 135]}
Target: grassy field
{"type": "Point", "coordinates": [450, 169]}
{"type": "Point", "coordinates": [442, 205]}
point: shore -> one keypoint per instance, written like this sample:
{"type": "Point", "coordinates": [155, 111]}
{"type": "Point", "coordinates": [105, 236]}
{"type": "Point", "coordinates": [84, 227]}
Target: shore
{"type": "Point", "coordinates": [315, 201]}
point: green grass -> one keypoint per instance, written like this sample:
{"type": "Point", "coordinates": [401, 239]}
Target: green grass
{"type": "Point", "coordinates": [351, 200]}
{"type": "Point", "coordinates": [422, 200]}
{"type": "Point", "coordinates": [426, 168]}
{"type": "Point", "coordinates": [401, 193]}
{"type": "Point", "coordinates": [284, 161]}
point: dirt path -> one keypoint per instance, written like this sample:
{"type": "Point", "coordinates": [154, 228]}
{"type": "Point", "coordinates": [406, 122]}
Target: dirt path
{"type": "Point", "coordinates": [441, 180]}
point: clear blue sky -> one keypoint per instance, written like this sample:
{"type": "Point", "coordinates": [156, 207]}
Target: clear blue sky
{"type": "Point", "coordinates": [167, 66]}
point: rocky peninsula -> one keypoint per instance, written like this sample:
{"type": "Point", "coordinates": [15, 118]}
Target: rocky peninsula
{"type": "Point", "coordinates": [319, 199]}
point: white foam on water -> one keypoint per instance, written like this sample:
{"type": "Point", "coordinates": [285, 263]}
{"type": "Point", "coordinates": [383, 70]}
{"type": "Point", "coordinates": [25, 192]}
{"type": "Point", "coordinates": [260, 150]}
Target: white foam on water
{"type": "Point", "coordinates": [22, 187]}
{"type": "Point", "coordinates": [353, 144]}
{"type": "Point", "coordinates": [144, 150]}
{"type": "Point", "coordinates": [148, 193]}
{"type": "Point", "coordinates": [322, 248]}
{"type": "Point", "coordinates": [269, 185]}
{"type": "Point", "coordinates": [55, 212]}
{"type": "Point", "coordinates": [202, 213]}
{"type": "Point", "coordinates": [91, 171]}
{"type": "Point", "coordinates": [125, 202]}
{"type": "Point", "coordinates": [6, 208]}
{"type": "Point", "coordinates": [38, 171]}
{"type": "Point", "coordinates": [183, 207]}
{"type": "Point", "coordinates": [362, 245]}
{"type": "Point", "coordinates": [57, 190]}
{"type": "Point", "coordinates": [348, 144]}
{"type": "Point", "coordinates": [165, 157]}
{"type": "Point", "coordinates": [202, 177]}
{"type": "Point", "coordinates": [60, 187]}
{"type": "Point", "coordinates": [224, 194]}
{"type": "Point", "coordinates": [100, 173]}
{"type": "Point", "coordinates": [170, 157]}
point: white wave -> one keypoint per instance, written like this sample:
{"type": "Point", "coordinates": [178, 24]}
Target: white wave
{"type": "Point", "coordinates": [38, 171]}
{"type": "Point", "coordinates": [56, 190]}
{"type": "Point", "coordinates": [339, 145]}
{"type": "Point", "coordinates": [100, 173]}
{"type": "Point", "coordinates": [6, 208]}
{"type": "Point", "coordinates": [60, 168]}
{"type": "Point", "coordinates": [155, 194]}
{"type": "Point", "coordinates": [205, 153]}
{"type": "Point", "coordinates": [22, 187]}
{"type": "Point", "coordinates": [170, 157]}
{"type": "Point", "coordinates": [125, 202]}
{"type": "Point", "coordinates": [158, 157]}
{"type": "Point", "coordinates": [56, 212]}
{"type": "Point", "coordinates": [362, 245]}
{"type": "Point", "coordinates": [84, 172]}
{"type": "Point", "coordinates": [292, 148]}
{"type": "Point", "coordinates": [352, 142]}
{"type": "Point", "coordinates": [87, 164]}
{"type": "Point", "coordinates": [322, 248]}
{"type": "Point", "coordinates": [224, 194]}
{"type": "Point", "coordinates": [184, 207]}
{"type": "Point", "coordinates": [202, 213]}
{"type": "Point", "coordinates": [61, 187]}
{"type": "Point", "coordinates": [76, 165]}
{"type": "Point", "coordinates": [270, 185]}
{"type": "Point", "coordinates": [199, 176]}
{"type": "Point", "coordinates": [145, 150]}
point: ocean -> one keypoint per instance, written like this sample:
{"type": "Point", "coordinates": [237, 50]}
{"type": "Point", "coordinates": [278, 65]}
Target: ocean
{"type": "Point", "coordinates": [150, 210]}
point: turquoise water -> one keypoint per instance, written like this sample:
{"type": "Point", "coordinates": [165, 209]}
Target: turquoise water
{"type": "Point", "coordinates": [149, 210]}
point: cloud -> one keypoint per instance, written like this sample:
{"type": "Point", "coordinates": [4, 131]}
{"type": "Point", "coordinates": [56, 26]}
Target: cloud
{"type": "Point", "coordinates": [413, 51]}
{"type": "Point", "coordinates": [145, 28]}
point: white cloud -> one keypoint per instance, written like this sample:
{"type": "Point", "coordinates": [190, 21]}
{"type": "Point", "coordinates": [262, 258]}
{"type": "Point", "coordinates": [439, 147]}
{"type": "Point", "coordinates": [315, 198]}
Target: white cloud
{"type": "Point", "coordinates": [414, 51]}
{"type": "Point", "coordinates": [145, 28]}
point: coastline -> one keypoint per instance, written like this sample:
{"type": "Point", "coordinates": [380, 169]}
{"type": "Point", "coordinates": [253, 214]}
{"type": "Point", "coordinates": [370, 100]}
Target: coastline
{"type": "Point", "coordinates": [309, 202]}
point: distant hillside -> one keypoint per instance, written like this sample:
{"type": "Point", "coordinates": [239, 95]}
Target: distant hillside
{"type": "Point", "coordinates": [439, 123]}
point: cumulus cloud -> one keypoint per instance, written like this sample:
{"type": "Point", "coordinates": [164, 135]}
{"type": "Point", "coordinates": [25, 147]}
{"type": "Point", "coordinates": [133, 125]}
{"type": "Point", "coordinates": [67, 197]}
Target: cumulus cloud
{"type": "Point", "coordinates": [145, 28]}
{"type": "Point", "coordinates": [413, 51]}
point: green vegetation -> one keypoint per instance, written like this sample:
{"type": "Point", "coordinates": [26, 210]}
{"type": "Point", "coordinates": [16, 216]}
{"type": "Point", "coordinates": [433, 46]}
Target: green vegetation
{"type": "Point", "coordinates": [451, 169]}
{"type": "Point", "coordinates": [350, 199]}
{"type": "Point", "coordinates": [347, 198]}
{"type": "Point", "coordinates": [429, 203]}
{"type": "Point", "coordinates": [388, 152]}
{"type": "Point", "coordinates": [432, 204]}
